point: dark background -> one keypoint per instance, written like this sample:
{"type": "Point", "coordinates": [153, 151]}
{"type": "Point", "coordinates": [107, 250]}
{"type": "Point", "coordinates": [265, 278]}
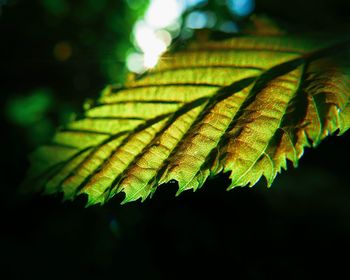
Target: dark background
{"type": "Point", "coordinates": [298, 228]}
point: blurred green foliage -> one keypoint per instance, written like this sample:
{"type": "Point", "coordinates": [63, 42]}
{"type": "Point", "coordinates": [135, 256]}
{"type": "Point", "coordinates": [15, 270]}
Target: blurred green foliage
{"type": "Point", "coordinates": [67, 51]}
{"type": "Point", "coordinates": [57, 8]}
{"type": "Point", "coordinates": [30, 112]}
{"type": "Point", "coordinates": [29, 109]}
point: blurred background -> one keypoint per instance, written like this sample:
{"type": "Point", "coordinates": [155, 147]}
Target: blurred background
{"type": "Point", "coordinates": [56, 54]}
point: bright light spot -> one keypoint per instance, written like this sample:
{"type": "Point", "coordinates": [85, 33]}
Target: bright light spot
{"type": "Point", "coordinates": [139, 63]}
{"type": "Point", "coordinates": [150, 59]}
{"type": "Point", "coordinates": [162, 21]}
{"type": "Point", "coordinates": [241, 7]}
{"type": "Point", "coordinates": [162, 13]}
{"type": "Point", "coordinates": [196, 20]}
{"type": "Point", "coordinates": [164, 36]}
{"type": "Point", "coordinates": [152, 54]}
{"type": "Point", "coordinates": [134, 62]}
{"type": "Point", "coordinates": [145, 36]}
{"type": "Point", "coordinates": [152, 43]}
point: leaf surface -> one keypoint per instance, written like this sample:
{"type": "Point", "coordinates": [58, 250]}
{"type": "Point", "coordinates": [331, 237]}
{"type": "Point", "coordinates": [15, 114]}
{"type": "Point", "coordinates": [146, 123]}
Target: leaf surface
{"type": "Point", "coordinates": [245, 106]}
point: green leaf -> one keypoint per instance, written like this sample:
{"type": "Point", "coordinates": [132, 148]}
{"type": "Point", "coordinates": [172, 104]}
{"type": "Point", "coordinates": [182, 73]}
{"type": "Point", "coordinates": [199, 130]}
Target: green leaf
{"type": "Point", "coordinates": [245, 106]}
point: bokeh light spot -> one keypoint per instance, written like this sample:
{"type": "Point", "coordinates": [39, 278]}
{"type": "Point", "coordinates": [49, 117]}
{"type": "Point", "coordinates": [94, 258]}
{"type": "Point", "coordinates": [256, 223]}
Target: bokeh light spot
{"type": "Point", "coordinates": [241, 7]}
{"type": "Point", "coordinates": [62, 51]}
{"type": "Point", "coordinates": [229, 27]}
{"type": "Point", "coordinates": [151, 42]}
{"type": "Point", "coordinates": [196, 20]}
{"type": "Point", "coordinates": [162, 13]}
{"type": "Point", "coordinates": [134, 62]}
{"type": "Point", "coordinates": [163, 21]}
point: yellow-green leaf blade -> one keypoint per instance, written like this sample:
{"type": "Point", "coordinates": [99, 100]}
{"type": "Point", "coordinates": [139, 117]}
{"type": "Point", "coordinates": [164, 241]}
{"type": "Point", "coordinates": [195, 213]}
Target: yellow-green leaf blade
{"type": "Point", "coordinates": [246, 106]}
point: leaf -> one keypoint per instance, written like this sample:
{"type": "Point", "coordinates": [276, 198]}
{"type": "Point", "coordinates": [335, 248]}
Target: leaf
{"type": "Point", "coordinates": [246, 106]}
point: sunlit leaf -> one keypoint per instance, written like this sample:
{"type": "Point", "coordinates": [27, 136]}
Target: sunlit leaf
{"type": "Point", "coordinates": [244, 106]}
